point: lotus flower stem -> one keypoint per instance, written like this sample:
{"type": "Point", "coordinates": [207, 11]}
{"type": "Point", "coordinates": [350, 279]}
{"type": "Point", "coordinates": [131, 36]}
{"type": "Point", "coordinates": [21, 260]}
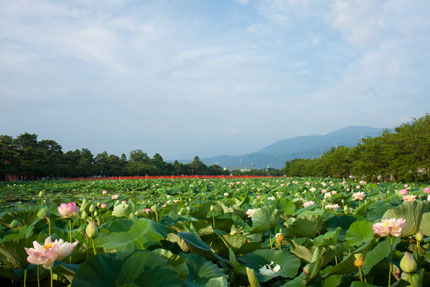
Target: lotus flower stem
{"type": "Point", "coordinates": [391, 262]}
{"type": "Point", "coordinates": [25, 277]}
{"type": "Point", "coordinates": [156, 216]}
{"type": "Point", "coordinates": [410, 280]}
{"type": "Point", "coordinates": [70, 237]}
{"type": "Point", "coordinates": [52, 277]}
{"type": "Point", "coordinates": [361, 273]}
{"type": "Point", "coordinates": [418, 249]}
{"type": "Point", "coordinates": [213, 221]}
{"type": "Point", "coordinates": [94, 247]}
{"type": "Point", "coordinates": [49, 225]}
{"type": "Point", "coordinates": [335, 259]}
{"type": "Point", "coordinates": [38, 275]}
{"type": "Point", "coordinates": [270, 239]}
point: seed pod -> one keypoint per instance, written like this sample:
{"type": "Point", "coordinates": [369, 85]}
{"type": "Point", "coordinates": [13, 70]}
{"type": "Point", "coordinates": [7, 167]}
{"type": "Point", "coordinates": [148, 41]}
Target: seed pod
{"type": "Point", "coordinates": [359, 260]}
{"type": "Point", "coordinates": [279, 237]}
{"type": "Point", "coordinates": [84, 215]}
{"type": "Point", "coordinates": [92, 208]}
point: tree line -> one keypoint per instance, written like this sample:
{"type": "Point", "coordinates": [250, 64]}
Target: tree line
{"type": "Point", "coordinates": [24, 157]}
{"type": "Point", "coordinates": [402, 155]}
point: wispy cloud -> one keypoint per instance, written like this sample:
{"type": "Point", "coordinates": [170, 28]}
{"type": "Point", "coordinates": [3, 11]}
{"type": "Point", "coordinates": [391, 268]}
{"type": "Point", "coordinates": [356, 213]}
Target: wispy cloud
{"type": "Point", "coordinates": [226, 78]}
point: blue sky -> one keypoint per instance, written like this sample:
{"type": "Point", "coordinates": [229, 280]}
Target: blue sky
{"type": "Point", "coordinates": [193, 77]}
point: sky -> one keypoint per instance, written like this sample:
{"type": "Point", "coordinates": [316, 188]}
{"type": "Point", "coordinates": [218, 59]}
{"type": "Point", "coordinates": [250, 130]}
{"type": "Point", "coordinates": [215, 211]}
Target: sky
{"type": "Point", "coordinates": [208, 77]}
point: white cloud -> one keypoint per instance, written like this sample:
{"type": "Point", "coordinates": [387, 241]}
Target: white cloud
{"type": "Point", "coordinates": [361, 21]}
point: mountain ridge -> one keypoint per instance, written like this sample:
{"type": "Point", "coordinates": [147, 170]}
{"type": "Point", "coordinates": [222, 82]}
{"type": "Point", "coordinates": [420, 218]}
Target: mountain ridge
{"type": "Point", "coordinates": [275, 155]}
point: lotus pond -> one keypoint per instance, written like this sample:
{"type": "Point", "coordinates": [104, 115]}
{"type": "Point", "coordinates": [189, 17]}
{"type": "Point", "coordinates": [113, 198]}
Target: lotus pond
{"type": "Point", "coordinates": [214, 232]}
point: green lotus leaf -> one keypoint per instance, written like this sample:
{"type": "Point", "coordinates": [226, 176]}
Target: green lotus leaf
{"type": "Point", "coordinates": [203, 273]}
{"type": "Point", "coordinates": [425, 224]}
{"type": "Point", "coordinates": [123, 234]}
{"type": "Point", "coordinates": [264, 218]}
{"type": "Point", "coordinates": [196, 244]}
{"type": "Point", "coordinates": [287, 206]}
{"type": "Point", "coordinates": [377, 254]}
{"type": "Point", "coordinates": [126, 268]}
{"type": "Point", "coordinates": [306, 226]}
{"type": "Point", "coordinates": [359, 232]}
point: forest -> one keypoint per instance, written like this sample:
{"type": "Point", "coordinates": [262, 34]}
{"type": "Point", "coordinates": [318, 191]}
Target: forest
{"type": "Point", "coordinates": [402, 155]}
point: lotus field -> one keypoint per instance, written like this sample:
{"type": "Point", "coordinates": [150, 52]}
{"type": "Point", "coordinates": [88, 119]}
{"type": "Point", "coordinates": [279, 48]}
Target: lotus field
{"type": "Point", "coordinates": [214, 232]}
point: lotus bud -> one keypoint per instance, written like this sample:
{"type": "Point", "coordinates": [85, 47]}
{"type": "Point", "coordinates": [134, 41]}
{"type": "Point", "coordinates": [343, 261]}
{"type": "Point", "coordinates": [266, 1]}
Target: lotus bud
{"type": "Point", "coordinates": [42, 213]}
{"type": "Point", "coordinates": [408, 263]}
{"type": "Point", "coordinates": [14, 223]}
{"type": "Point", "coordinates": [212, 208]}
{"type": "Point", "coordinates": [98, 204]}
{"type": "Point", "coordinates": [419, 236]}
{"type": "Point", "coordinates": [84, 204]}
{"type": "Point", "coordinates": [92, 208]}
{"type": "Point", "coordinates": [345, 209]}
{"type": "Point", "coordinates": [91, 230]}
{"type": "Point", "coordinates": [41, 194]}
{"type": "Point", "coordinates": [96, 213]}
{"type": "Point", "coordinates": [84, 215]}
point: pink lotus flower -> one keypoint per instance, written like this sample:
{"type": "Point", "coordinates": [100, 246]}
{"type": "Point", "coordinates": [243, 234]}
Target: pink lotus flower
{"type": "Point", "coordinates": [308, 203]}
{"type": "Point", "coordinates": [358, 187]}
{"type": "Point", "coordinates": [403, 191]}
{"type": "Point", "coordinates": [103, 205]}
{"type": "Point", "coordinates": [358, 195]}
{"type": "Point", "coordinates": [124, 202]}
{"type": "Point", "coordinates": [426, 189]}
{"type": "Point", "coordinates": [250, 212]}
{"type": "Point", "coordinates": [323, 191]}
{"type": "Point", "coordinates": [332, 206]}
{"type": "Point", "coordinates": [409, 197]}
{"type": "Point", "coordinates": [258, 196]}
{"type": "Point", "coordinates": [148, 209]}
{"type": "Point", "coordinates": [67, 210]}
{"type": "Point", "coordinates": [104, 191]}
{"type": "Point", "coordinates": [114, 197]}
{"type": "Point", "coordinates": [46, 254]}
{"type": "Point", "coordinates": [393, 226]}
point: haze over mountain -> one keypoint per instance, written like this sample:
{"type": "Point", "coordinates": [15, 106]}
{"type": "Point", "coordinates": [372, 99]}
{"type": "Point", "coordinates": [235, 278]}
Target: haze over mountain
{"type": "Point", "coordinates": [276, 154]}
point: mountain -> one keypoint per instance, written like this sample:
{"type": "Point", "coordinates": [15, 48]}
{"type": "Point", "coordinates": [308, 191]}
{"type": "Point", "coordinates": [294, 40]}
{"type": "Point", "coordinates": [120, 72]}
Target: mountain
{"type": "Point", "coordinates": [276, 154]}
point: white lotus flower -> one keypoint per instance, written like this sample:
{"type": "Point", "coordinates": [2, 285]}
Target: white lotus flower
{"type": "Point", "coordinates": [267, 269]}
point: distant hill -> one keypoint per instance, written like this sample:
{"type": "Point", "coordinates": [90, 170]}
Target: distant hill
{"type": "Point", "coordinates": [275, 155]}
